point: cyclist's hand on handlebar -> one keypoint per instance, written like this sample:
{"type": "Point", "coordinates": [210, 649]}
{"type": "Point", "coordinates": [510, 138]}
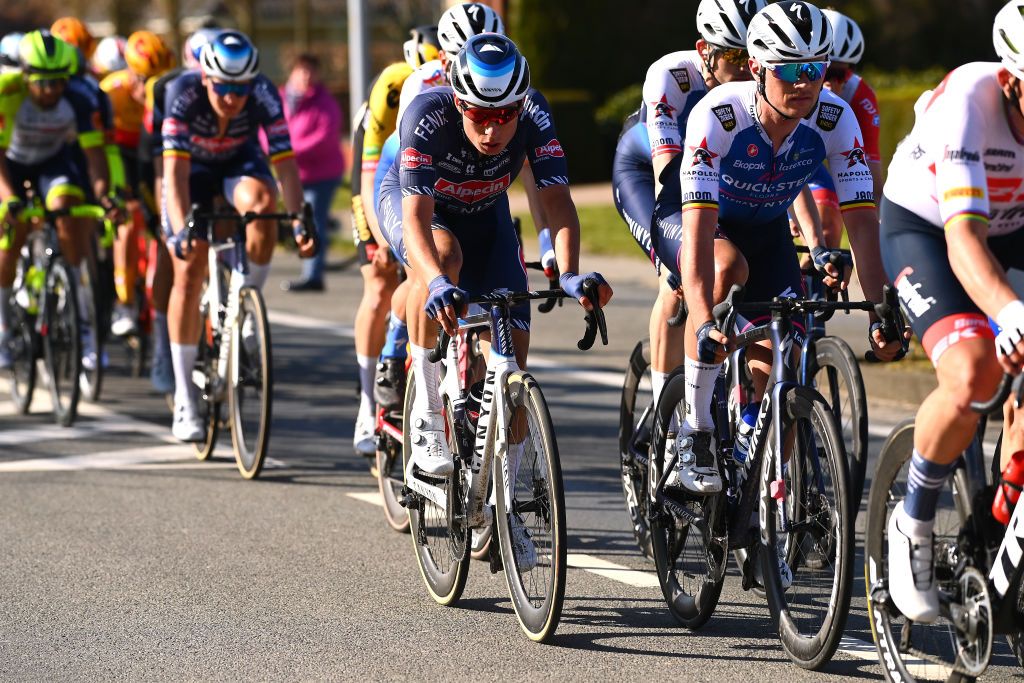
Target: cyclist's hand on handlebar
{"type": "Point", "coordinates": [712, 345]}
{"type": "Point", "coordinates": [179, 244]}
{"type": "Point", "coordinates": [1010, 341]}
{"type": "Point", "coordinates": [886, 350]}
{"type": "Point", "coordinates": [441, 303]}
{"type": "Point", "coordinates": [572, 284]}
{"type": "Point", "coordinates": [305, 243]}
{"type": "Point", "coordinates": [825, 261]}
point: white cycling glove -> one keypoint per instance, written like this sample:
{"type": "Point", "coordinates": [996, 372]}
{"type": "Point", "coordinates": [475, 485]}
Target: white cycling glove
{"type": "Point", "coordinates": [1011, 323]}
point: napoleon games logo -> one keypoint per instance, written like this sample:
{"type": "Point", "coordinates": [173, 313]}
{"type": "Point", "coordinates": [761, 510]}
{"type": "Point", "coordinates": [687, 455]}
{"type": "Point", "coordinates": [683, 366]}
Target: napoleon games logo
{"type": "Point", "coordinates": [702, 156]}
{"type": "Point", "coordinates": [472, 191]}
{"type": "Point", "coordinates": [663, 108]}
{"type": "Point", "coordinates": [855, 155]}
{"type": "Point", "coordinates": [413, 158]}
{"type": "Point", "coordinates": [553, 148]}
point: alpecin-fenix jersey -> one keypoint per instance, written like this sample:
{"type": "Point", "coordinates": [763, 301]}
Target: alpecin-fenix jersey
{"type": "Point", "coordinates": [962, 158]}
{"type": "Point", "coordinates": [436, 159]}
{"type": "Point", "coordinates": [729, 163]}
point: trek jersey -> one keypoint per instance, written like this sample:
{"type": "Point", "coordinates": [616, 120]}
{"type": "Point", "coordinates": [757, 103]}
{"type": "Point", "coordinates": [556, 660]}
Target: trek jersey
{"type": "Point", "coordinates": [729, 164]}
{"type": "Point", "coordinates": [962, 158]}
{"type": "Point", "coordinates": [32, 135]}
{"type": "Point", "coordinates": [190, 127]}
{"type": "Point", "coordinates": [437, 160]}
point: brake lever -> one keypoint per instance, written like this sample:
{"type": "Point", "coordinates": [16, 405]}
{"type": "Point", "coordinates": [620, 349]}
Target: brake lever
{"type": "Point", "coordinates": [594, 318]}
{"type": "Point", "coordinates": [725, 312]}
{"type": "Point", "coordinates": [679, 317]}
{"type": "Point", "coordinates": [548, 304]}
{"type": "Point", "coordinates": [307, 228]}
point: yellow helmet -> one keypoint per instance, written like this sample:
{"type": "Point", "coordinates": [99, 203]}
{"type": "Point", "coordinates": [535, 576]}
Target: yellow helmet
{"type": "Point", "coordinates": [75, 33]}
{"type": "Point", "coordinates": [147, 55]}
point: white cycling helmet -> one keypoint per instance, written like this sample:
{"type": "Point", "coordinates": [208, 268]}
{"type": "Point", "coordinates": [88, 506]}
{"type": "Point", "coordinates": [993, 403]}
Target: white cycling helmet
{"type": "Point", "coordinates": [790, 31]}
{"type": "Point", "coordinates": [9, 55]}
{"type": "Point", "coordinates": [194, 45]}
{"type": "Point", "coordinates": [723, 23]}
{"type": "Point", "coordinates": [1008, 36]}
{"type": "Point", "coordinates": [461, 22]}
{"type": "Point", "coordinates": [109, 56]}
{"type": "Point", "coordinates": [490, 72]}
{"type": "Point", "coordinates": [847, 39]}
{"type": "Point", "coordinates": [230, 57]}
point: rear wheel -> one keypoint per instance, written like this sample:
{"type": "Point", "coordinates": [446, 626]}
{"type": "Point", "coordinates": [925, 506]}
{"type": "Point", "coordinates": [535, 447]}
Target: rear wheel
{"type": "Point", "coordinates": [636, 419]}
{"type": "Point", "coordinates": [250, 384]}
{"type": "Point", "coordinates": [61, 340]}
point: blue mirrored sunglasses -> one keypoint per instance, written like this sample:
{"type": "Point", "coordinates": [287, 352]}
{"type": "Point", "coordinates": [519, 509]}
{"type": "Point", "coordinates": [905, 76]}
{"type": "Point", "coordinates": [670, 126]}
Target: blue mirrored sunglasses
{"type": "Point", "coordinates": [791, 73]}
{"type": "Point", "coordinates": [237, 89]}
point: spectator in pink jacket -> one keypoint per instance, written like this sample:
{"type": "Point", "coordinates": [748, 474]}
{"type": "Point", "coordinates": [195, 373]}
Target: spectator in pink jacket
{"type": "Point", "coordinates": [314, 122]}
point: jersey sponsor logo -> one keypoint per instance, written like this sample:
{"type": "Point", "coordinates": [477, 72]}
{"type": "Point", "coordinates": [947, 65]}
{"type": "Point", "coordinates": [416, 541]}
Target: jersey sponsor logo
{"type": "Point", "coordinates": [413, 158]}
{"type": "Point", "coordinates": [553, 148]}
{"type": "Point", "coordinates": [1003, 190]}
{"type": "Point", "coordinates": [1006, 153]}
{"type": "Point", "coordinates": [752, 150]}
{"type": "Point", "coordinates": [217, 146]}
{"type": "Point", "coordinates": [278, 128]}
{"type": "Point", "coordinates": [998, 168]}
{"type": "Point", "coordinates": [663, 108]}
{"type": "Point", "coordinates": [536, 114]}
{"type": "Point", "coordinates": [435, 79]}
{"type": "Point", "coordinates": [868, 106]}
{"type": "Point", "coordinates": [828, 116]}
{"type": "Point", "coordinates": [172, 127]}
{"type": "Point", "coordinates": [430, 123]}
{"type": "Point", "coordinates": [960, 156]}
{"type": "Point", "coordinates": [392, 99]}
{"type": "Point", "coordinates": [472, 191]}
{"type": "Point", "coordinates": [917, 153]}
{"type": "Point", "coordinates": [682, 77]}
{"type": "Point", "coordinates": [855, 155]}
{"type": "Point", "coordinates": [963, 193]}
{"type": "Point", "coordinates": [749, 165]}
{"type": "Point", "coordinates": [726, 116]}
{"type": "Point", "coordinates": [702, 156]}
{"type": "Point", "coordinates": [698, 197]}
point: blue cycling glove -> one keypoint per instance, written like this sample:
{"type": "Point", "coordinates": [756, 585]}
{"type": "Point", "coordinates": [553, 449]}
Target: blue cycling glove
{"type": "Point", "coordinates": [176, 242]}
{"type": "Point", "coordinates": [442, 293]}
{"type": "Point", "coordinates": [572, 284]}
{"type": "Point", "coordinates": [821, 258]}
{"type": "Point", "coordinates": [707, 348]}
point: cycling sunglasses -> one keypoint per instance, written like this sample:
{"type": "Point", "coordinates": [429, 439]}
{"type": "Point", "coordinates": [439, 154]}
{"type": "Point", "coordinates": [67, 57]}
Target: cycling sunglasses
{"type": "Point", "coordinates": [735, 56]}
{"type": "Point", "coordinates": [43, 81]}
{"type": "Point", "coordinates": [484, 116]}
{"type": "Point", "coordinates": [792, 71]}
{"type": "Point", "coordinates": [224, 88]}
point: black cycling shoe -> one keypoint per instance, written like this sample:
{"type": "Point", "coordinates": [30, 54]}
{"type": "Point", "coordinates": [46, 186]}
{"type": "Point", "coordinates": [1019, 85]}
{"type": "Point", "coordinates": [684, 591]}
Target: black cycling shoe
{"type": "Point", "coordinates": [389, 385]}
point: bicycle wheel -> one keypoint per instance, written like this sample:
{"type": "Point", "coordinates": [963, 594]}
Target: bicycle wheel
{"type": "Point", "coordinates": [688, 536]}
{"type": "Point", "coordinates": [22, 347]}
{"type": "Point", "coordinates": [91, 379]}
{"type": "Point", "coordinates": [911, 651]}
{"type": "Point", "coordinates": [62, 348]}
{"type": "Point", "coordinates": [636, 416]}
{"type": "Point", "coordinates": [250, 388]}
{"type": "Point", "coordinates": [389, 480]}
{"type": "Point", "coordinates": [204, 371]}
{"type": "Point", "coordinates": [440, 542]}
{"type": "Point", "coordinates": [811, 614]}
{"type": "Point", "coordinates": [839, 381]}
{"type": "Point", "coordinates": [529, 495]}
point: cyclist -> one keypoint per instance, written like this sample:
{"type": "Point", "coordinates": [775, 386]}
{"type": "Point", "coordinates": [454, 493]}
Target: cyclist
{"type": "Point", "coordinates": [378, 268]}
{"type": "Point", "coordinates": [652, 139]}
{"type": "Point", "coordinates": [951, 226]}
{"type": "Point", "coordinates": [847, 51]}
{"type": "Point", "coordinates": [210, 148]}
{"type": "Point", "coordinates": [75, 33]}
{"type": "Point", "coordinates": [151, 165]}
{"type": "Point", "coordinates": [9, 60]}
{"type": "Point", "coordinates": [449, 222]}
{"type": "Point", "coordinates": [39, 113]}
{"type": "Point", "coordinates": [108, 57]}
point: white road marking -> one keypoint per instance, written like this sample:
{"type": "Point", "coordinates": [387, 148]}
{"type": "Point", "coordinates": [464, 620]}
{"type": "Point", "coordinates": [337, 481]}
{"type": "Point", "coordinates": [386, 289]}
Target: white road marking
{"type": "Point", "coordinates": [105, 460]}
{"type": "Point", "coordinates": [371, 497]}
{"type": "Point", "coordinates": [610, 570]}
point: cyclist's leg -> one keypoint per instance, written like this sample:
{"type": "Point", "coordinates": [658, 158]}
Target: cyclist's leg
{"type": "Point", "coordinates": [125, 250]}
{"type": "Point", "coordinates": [162, 374]}
{"type": "Point", "coordinates": [249, 186]}
{"type": "Point", "coordinates": [9, 257]}
{"type": "Point", "coordinates": [380, 278]}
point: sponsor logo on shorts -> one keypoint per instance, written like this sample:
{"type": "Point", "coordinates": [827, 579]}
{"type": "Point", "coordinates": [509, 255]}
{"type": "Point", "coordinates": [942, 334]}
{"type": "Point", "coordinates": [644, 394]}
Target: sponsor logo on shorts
{"type": "Point", "coordinates": [910, 294]}
{"type": "Point", "coordinates": [828, 116]}
{"type": "Point", "coordinates": [726, 116]}
{"type": "Point", "coordinates": [413, 158]}
{"type": "Point", "coordinates": [553, 148]}
{"type": "Point", "coordinates": [472, 191]}
{"type": "Point", "coordinates": [963, 193]}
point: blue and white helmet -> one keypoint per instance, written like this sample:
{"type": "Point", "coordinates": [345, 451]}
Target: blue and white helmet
{"type": "Point", "coordinates": [196, 41]}
{"type": "Point", "coordinates": [9, 58]}
{"type": "Point", "coordinates": [230, 57]}
{"type": "Point", "coordinates": [490, 72]}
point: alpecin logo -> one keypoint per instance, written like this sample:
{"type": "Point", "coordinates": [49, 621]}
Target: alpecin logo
{"type": "Point", "coordinates": [472, 191]}
{"type": "Point", "coordinates": [413, 158]}
{"type": "Point", "coordinates": [553, 148]}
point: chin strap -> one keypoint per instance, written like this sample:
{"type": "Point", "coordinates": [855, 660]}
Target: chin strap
{"type": "Point", "coordinates": [709, 69]}
{"type": "Point", "coordinates": [764, 95]}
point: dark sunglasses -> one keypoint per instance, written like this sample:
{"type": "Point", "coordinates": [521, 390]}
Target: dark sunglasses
{"type": "Point", "coordinates": [484, 116]}
{"type": "Point", "coordinates": [223, 88]}
{"type": "Point", "coordinates": [791, 72]}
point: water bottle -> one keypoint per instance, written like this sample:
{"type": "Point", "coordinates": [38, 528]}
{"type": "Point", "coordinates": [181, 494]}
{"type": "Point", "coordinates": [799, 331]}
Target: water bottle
{"type": "Point", "coordinates": [1009, 488]}
{"type": "Point", "coordinates": [473, 400]}
{"type": "Point", "coordinates": [744, 431]}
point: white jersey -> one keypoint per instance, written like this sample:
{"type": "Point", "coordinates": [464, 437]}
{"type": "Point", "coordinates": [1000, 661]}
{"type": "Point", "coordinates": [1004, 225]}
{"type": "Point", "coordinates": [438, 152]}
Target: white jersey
{"type": "Point", "coordinates": [962, 158]}
{"type": "Point", "coordinates": [430, 75]}
{"type": "Point", "coordinates": [674, 84]}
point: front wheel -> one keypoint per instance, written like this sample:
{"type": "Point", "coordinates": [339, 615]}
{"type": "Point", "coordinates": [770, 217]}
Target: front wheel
{"type": "Point", "coordinates": [204, 375]}
{"type": "Point", "coordinates": [531, 511]}
{"type": "Point", "coordinates": [250, 384]}
{"type": "Point", "coordinates": [23, 350]}
{"type": "Point", "coordinates": [818, 543]}
{"type": "Point", "coordinates": [636, 419]}
{"type": "Point", "coordinates": [62, 347]}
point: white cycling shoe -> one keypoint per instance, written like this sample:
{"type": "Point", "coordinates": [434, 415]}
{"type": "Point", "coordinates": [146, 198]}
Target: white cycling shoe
{"type": "Point", "coordinates": [123, 323]}
{"type": "Point", "coordinates": [429, 446]}
{"type": "Point", "coordinates": [187, 427]}
{"type": "Point", "coordinates": [696, 472]}
{"type": "Point", "coordinates": [363, 442]}
{"type": "Point", "coordinates": [911, 570]}
{"type": "Point", "coordinates": [523, 546]}
{"type": "Point", "coordinates": [785, 573]}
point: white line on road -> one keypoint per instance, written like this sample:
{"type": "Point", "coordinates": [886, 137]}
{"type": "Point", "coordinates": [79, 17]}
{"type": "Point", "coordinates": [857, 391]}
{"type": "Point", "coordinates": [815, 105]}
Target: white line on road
{"type": "Point", "coordinates": [610, 570]}
{"type": "Point", "coordinates": [106, 460]}
{"type": "Point", "coordinates": [371, 497]}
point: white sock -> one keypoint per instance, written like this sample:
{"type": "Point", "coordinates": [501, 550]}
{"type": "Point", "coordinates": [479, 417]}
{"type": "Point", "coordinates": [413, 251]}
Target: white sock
{"type": "Point", "coordinates": [258, 273]}
{"type": "Point", "coordinates": [83, 294]}
{"type": "Point", "coordinates": [367, 406]}
{"type": "Point", "coordinates": [657, 384]}
{"type": "Point", "coordinates": [428, 377]}
{"type": "Point", "coordinates": [5, 307]}
{"type": "Point", "coordinates": [183, 358]}
{"type": "Point", "coordinates": [915, 528]}
{"type": "Point", "coordinates": [161, 342]}
{"type": "Point", "coordinates": [700, 385]}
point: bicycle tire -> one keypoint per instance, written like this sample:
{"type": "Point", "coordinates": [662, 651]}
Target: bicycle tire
{"type": "Point", "coordinates": [840, 382]}
{"type": "Point", "coordinates": [825, 534]}
{"type": "Point", "coordinates": [631, 438]}
{"type": "Point", "coordinates": [886, 491]}
{"type": "Point", "coordinates": [444, 570]}
{"type": "Point", "coordinates": [207, 405]}
{"type": "Point", "coordinates": [24, 351]}
{"type": "Point", "coordinates": [61, 341]}
{"type": "Point", "coordinates": [678, 552]}
{"type": "Point", "coordinates": [390, 482]}
{"type": "Point", "coordinates": [251, 384]}
{"type": "Point", "coordinates": [91, 381]}
{"type": "Point", "coordinates": [541, 509]}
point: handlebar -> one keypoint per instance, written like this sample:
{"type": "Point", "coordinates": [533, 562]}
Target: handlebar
{"type": "Point", "coordinates": [548, 304]}
{"type": "Point", "coordinates": [38, 210]}
{"type": "Point", "coordinates": [893, 323]}
{"type": "Point", "coordinates": [198, 218]}
{"type": "Point", "coordinates": [1008, 386]}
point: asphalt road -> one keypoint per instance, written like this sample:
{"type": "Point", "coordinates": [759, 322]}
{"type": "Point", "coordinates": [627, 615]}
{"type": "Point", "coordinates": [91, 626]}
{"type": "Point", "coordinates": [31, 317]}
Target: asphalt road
{"type": "Point", "coordinates": [123, 557]}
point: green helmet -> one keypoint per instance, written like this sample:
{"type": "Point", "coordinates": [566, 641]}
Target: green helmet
{"type": "Point", "coordinates": [44, 55]}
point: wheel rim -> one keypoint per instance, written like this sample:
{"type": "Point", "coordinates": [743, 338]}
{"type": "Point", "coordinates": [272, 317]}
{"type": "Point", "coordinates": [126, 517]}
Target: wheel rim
{"type": "Point", "coordinates": [251, 391]}
{"type": "Point", "coordinates": [62, 341]}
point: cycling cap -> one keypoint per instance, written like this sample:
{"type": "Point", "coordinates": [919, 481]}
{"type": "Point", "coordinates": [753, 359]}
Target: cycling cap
{"type": "Point", "coordinates": [490, 72]}
{"type": "Point", "coordinates": [1008, 36]}
{"type": "Point", "coordinates": [146, 54]}
{"type": "Point", "coordinates": [45, 55]}
{"type": "Point", "coordinates": [9, 49]}
{"type": "Point", "coordinates": [461, 22]}
{"type": "Point", "coordinates": [109, 56]}
{"type": "Point", "coordinates": [74, 32]}
{"type": "Point", "coordinates": [791, 31]}
{"type": "Point", "coordinates": [723, 23]}
{"type": "Point", "coordinates": [230, 57]}
{"type": "Point", "coordinates": [422, 47]}
{"type": "Point", "coordinates": [847, 40]}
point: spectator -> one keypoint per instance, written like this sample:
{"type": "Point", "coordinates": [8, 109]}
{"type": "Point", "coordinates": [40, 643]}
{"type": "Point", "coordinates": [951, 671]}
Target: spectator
{"type": "Point", "coordinates": [314, 121]}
